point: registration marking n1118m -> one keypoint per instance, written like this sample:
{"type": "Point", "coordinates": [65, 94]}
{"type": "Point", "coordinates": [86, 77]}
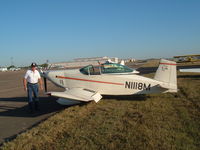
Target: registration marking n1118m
{"type": "Point", "coordinates": [137, 85]}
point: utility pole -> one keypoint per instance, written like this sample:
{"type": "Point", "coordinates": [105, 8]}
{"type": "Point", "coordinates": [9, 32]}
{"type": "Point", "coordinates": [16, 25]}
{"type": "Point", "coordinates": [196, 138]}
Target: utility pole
{"type": "Point", "coordinates": [11, 61]}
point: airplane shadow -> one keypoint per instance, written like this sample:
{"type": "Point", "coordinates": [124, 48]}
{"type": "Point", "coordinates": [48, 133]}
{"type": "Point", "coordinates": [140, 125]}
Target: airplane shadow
{"type": "Point", "coordinates": [47, 105]}
{"type": "Point", "coordinates": [126, 97]}
{"type": "Point", "coordinates": [196, 77]}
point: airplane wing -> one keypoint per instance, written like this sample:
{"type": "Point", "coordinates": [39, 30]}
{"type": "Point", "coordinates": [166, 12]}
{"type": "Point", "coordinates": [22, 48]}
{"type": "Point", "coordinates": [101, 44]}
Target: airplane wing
{"type": "Point", "coordinates": [190, 70]}
{"type": "Point", "coordinates": [78, 94]}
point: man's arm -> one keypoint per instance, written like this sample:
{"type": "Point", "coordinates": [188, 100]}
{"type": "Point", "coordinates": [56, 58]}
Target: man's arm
{"type": "Point", "coordinates": [25, 83]}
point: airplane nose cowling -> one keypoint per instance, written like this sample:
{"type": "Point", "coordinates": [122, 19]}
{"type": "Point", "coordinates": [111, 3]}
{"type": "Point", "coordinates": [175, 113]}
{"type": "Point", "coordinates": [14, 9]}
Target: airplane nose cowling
{"type": "Point", "coordinates": [52, 76]}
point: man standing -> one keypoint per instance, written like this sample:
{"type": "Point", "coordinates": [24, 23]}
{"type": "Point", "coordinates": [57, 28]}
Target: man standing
{"type": "Point", "coordinates": [30, 81]}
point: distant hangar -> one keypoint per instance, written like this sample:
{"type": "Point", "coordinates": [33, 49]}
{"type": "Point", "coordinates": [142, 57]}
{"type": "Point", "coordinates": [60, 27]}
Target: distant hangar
{"type": "Point", "coordinates": [80, 62]}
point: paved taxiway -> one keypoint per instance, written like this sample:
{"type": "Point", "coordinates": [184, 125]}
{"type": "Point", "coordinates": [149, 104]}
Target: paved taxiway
{"type": "Point", "coordinates": [14, 117]}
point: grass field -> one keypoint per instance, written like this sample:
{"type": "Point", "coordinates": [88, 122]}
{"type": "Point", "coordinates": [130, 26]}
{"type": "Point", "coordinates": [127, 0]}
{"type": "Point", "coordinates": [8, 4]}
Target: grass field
{"type": "Point", "coordinates": [162, 121]}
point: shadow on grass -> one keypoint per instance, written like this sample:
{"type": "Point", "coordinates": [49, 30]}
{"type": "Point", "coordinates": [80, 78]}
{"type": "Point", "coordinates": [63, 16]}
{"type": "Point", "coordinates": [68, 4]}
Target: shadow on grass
{"type": "Point", "coordinates": [126, 97]}
{"type": "Point", "coordinates": [190, 76]}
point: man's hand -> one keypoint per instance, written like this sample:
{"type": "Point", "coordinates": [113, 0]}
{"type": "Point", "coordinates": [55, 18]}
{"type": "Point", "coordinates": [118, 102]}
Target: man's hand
{"type": "Point", "coordinates": [25, 89]}
{"type": "Point", "coordinates": [24, 83]}
{"type": "Point", "coordinates": [41, 87]}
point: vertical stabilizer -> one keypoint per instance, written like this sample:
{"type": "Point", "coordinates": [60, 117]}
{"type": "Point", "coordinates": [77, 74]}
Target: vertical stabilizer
{"type": "Point", "coordinates": [166, 73]}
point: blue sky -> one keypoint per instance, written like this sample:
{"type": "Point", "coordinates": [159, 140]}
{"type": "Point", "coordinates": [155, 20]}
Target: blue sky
{"type": "Point", "coordinates": [61, 30]}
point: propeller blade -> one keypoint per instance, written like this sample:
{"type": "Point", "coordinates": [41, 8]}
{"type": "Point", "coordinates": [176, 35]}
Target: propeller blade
{"type": "Point", "coordinates": [45, 84]}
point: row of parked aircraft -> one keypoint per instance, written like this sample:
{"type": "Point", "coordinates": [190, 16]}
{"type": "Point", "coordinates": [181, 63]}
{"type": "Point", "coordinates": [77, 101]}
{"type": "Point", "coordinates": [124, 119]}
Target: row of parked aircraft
{"type": "Point", "coordinates": [188, 58]}
{"type": "Point", "coordinates": [3, 69]}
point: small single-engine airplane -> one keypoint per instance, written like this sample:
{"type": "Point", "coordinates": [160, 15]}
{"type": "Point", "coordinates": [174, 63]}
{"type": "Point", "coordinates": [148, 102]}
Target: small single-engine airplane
{"type": "Point", "coordinates": [187, 58]}
{"type": "Point", "coordinates": [91, 82]}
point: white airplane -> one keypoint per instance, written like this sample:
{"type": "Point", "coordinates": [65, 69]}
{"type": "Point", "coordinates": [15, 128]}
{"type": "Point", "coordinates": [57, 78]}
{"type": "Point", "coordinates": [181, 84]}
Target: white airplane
{"type": "Point", "coordinates": [195, 70]}
{"type": "Point", "coordinates": [90, 83]}
{"type": "Point", "coordinates": [3, 69]}
{"type": "Point", "coordinates": [14, 69]}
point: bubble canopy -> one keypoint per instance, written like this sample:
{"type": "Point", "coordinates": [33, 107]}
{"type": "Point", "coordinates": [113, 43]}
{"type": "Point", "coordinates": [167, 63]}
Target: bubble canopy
{"type": "Point", "coordinates": [106, 68]}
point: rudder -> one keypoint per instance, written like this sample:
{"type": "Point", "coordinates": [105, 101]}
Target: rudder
{"type": "Point", "coordinates": [166, 73]}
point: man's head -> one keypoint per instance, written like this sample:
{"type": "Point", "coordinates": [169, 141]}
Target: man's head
{"type": "Point", "coordinates": [33, 66]}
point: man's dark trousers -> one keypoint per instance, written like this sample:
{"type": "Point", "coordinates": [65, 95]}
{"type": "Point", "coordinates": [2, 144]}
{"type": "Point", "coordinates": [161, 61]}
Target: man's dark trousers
{"type": "Point", "coordinates": [33, 88]}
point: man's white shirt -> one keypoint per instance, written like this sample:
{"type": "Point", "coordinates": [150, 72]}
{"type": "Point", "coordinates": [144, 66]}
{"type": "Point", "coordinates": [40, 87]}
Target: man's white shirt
{"type": "Point", "coordinates": [32, 77]}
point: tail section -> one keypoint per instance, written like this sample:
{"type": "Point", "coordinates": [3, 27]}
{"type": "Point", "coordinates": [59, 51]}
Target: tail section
{"type": "Point", "coordinates": [166, 73]}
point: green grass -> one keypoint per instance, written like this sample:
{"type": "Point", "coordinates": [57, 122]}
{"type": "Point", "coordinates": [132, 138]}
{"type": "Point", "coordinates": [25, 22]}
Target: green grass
{"type": "Point", "coordinates": [162, 121]}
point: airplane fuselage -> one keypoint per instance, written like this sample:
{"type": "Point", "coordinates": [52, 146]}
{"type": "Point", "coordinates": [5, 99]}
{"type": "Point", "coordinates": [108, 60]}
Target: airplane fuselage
{"type": "Point", "coordinates": [105, 84]}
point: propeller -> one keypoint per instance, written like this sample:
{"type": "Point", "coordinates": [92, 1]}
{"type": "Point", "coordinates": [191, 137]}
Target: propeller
{"type": "Point", "coordinates": [45, 83]}
{"type": "Point", "coordinates": [42, 73]}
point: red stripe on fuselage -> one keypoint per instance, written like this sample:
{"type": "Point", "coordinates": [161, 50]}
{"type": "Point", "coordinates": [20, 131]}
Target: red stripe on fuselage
{"type": "Point", "coordinates": [167, 64]}
{"type": "Point", "coordinates": [89, 80]}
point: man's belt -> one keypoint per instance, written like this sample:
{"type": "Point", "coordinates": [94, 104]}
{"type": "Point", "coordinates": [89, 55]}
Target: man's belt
{"type": "Point", "coordinates": [32, 83]}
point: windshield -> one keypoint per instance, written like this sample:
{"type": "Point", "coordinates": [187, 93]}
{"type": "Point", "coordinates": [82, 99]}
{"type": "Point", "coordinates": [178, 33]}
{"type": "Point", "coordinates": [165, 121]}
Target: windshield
{"type": "Point", "coordinates": [105, 68]}
{"type": "Point", "coordinates": [115, 68]}
{"type": "Point", "coordinates": [90, 70]}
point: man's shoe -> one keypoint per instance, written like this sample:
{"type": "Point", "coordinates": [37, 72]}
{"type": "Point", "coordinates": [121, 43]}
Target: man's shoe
{"type": "Point", "coordinates": [37, 106]}
{"type": "Point", "coordinates": [30, 107]}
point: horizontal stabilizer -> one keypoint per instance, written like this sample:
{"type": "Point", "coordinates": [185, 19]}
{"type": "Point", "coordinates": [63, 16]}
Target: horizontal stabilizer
{"type": "Point", "coordinates": [78, 94]}
{"type": "Point", "coordinates": [166, 88]}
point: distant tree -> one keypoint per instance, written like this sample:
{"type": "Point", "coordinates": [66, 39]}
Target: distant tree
{"type": "Point", "coordinates": [12, 66]}
{"type": "Point", "coordinates": [44, 65]}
